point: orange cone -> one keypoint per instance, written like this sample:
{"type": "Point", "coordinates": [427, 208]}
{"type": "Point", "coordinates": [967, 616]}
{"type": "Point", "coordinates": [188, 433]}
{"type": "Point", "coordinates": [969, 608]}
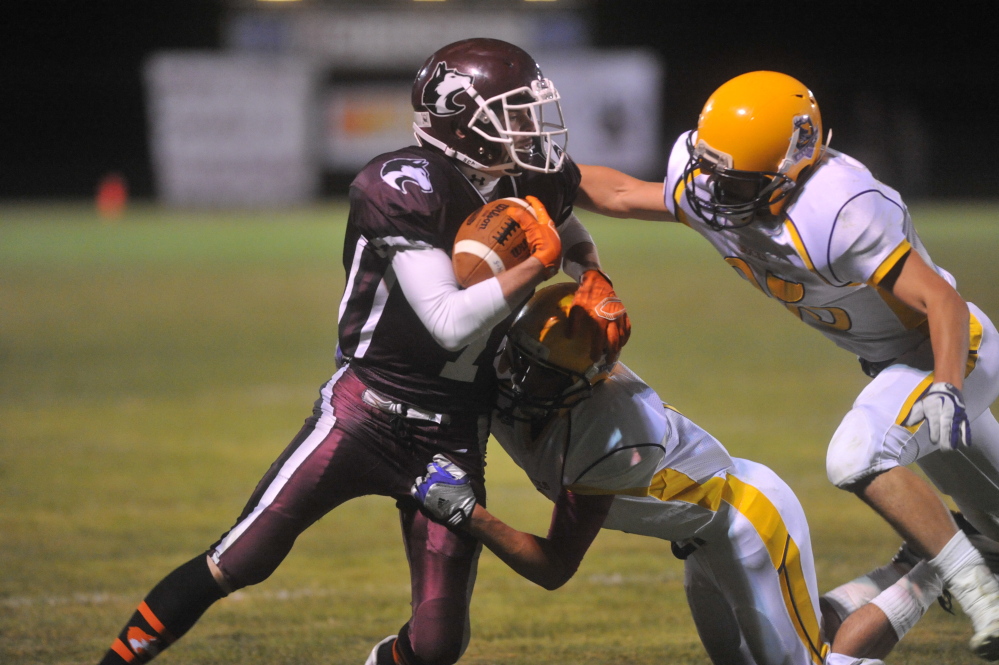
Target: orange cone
{"type": "Point", "coordinates": [112, 196]}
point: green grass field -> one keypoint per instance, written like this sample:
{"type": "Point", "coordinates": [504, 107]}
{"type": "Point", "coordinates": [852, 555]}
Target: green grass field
{"type": "Point", "coordinates": [151, 369]}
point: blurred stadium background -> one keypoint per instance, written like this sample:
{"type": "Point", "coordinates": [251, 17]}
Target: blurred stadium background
{"type": "Point", "coordinates": [127, 87]}
{"type": "Point", "coordinates": [171, 217]}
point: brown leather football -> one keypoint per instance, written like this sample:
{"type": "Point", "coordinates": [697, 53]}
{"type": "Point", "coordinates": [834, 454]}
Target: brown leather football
{"type": "Point", "coordinates": [489, 242]}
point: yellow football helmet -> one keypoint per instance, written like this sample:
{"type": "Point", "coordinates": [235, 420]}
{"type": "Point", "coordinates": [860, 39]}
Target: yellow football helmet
{"type": "Point", "coordinates": [756, 136]}
{"type": "Point", "coordinates": [548, 369]}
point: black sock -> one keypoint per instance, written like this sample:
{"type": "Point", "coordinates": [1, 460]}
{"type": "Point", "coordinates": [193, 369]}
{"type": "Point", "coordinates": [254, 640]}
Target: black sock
{"type": "Point", "coordinates": [402, 652]}
{"type": "Point", "coordinates": [169, 611]}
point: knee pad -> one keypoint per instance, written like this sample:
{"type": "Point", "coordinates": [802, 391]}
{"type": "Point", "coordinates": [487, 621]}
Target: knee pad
{"type": "Point", "coordinates": [861, 448]}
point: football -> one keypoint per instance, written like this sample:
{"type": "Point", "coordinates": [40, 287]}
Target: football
{"type": "Point", "coordinates": [489, 241]}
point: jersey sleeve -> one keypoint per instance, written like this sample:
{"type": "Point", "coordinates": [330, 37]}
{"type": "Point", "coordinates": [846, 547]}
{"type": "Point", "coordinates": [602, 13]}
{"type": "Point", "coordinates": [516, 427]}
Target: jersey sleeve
{"type": "Point", "coordinates": [454, 316]}
{"type": "Point", "coordinates": [571, 178]}
{"type": "Point", "coordinates": [398, 201]}
{"type": "Point", "coordinates": [618, 455]}
{"type": "Point", "coordinates": [673, 185]}
{"type": "Point", "coordinates": [867, 238]}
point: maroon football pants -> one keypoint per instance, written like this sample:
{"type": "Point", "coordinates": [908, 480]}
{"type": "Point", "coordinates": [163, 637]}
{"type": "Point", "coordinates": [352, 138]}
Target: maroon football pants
{"type": "Point", "coordinates": [347, 449]}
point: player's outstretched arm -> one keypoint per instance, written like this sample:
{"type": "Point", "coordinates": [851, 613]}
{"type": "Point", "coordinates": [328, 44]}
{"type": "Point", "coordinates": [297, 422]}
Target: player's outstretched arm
{"type": "Point", "coordinates": [549, 562]}
{"type": "Point", "coordinates": [530, 556]}
{"type": "Point", "coordinates": [615, 194]}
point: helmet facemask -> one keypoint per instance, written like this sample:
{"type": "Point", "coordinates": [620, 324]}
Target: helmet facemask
{"type": "Point", "coordinates": [543, 368]}
{"type": "Point", "coordinates": [734, 198]}
{"type": "Point", "coordinates": [525, 124]}
{"type": "Point", "coordinates": [536, 388]}
{"type": "Point", "coordinates": [528, 123]}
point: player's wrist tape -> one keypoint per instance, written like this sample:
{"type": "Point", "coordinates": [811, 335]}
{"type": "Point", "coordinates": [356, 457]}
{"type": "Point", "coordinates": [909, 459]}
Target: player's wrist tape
{"type": "Point", "coordinates": [596, 270]}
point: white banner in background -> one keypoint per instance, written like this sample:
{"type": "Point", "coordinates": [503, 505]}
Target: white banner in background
{"type": "Point", "coordinates": [231, 130]}
{"type": "Point", "coordinates": [612, 102]}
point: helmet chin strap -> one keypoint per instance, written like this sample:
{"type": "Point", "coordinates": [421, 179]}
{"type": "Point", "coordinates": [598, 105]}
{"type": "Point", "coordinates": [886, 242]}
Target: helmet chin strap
{"type": "Point", "coordinates": [497, 170]}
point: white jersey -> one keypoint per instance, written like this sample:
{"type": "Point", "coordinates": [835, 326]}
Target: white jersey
{"type": "Point", "coordinates": [741, 530]}
{"type": "Point", "coordinates": [839, 237]}
{"type": "Point", "coordinates": [650, 456]}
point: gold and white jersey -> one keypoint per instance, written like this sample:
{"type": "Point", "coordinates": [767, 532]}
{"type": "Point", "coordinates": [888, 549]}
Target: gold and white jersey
{"type": "Point", "coordinates": [740, 528]}
{"type": "Point", "coordinates": [824, 258]}
{"type": "Point", "coordinates": [624, 441]}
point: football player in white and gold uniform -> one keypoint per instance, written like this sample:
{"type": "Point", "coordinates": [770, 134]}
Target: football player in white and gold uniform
{"type": "Point", "coordinates": [813, 229]}
{"type": "Point", "coordinates": [602, 445]}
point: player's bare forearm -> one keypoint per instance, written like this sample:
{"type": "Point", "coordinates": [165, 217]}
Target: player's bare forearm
{"type": "Point", "coordinates": [949, 334]}
{"type": "Point", "coordinates": [615, 194]}
{"type": "Point", "coordinates": [530, 556]}
{"type": "Point", "coordinates": [518, 282]}
{"type": "Point", "coordinates": [581, 257]}
{"type": "Point", "coordinates": [920, 287]}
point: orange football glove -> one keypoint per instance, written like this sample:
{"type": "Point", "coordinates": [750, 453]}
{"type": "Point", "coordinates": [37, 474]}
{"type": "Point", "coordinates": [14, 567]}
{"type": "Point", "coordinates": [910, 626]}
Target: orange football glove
{"type": "Point", "coordinates": [596, 303]}
{"type": "Point", "coordinates": [541, 236]}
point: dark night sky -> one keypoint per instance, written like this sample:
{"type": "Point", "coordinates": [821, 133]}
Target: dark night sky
{"type": "Point", "coordinates": [884, 73]}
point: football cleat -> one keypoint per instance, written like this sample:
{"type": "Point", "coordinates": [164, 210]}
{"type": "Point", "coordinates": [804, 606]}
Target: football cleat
{"type": "Point", "coordinates": [381, 654]}
{"type": "Point", "coordinates": [977, 591]}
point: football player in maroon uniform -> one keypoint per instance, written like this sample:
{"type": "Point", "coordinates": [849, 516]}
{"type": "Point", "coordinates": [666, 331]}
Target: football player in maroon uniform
{"type": "Point", "coordinates": [415, 375]}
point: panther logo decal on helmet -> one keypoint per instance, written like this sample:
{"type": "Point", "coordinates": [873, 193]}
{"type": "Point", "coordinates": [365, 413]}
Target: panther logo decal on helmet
{"type": "Point", "coordinates": [804, 138]}
{"type": "Point", "coordinates": [443, 86]}
{"type": "Point", "coordinates": [397, 173]}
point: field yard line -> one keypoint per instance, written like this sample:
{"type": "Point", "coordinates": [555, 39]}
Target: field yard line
{"type": "Point", "coordinates": [100, 598]}
{"type": "Point", "coordinates": [270, 595]}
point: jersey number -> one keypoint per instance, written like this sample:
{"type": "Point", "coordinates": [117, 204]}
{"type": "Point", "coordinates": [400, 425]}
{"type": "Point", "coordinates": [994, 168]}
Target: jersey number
{"type": "Point", "coordinates": [791, 292]}
{"type": "Point", "coordinates": [464, 368]}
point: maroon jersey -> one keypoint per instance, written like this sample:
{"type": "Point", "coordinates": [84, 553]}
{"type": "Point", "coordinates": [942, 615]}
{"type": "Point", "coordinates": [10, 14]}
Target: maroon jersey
{"type": "Point", "coordinates": [417, 198]}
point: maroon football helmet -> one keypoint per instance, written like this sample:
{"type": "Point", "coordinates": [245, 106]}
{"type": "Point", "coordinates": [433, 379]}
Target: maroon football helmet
{"type": "Point", "coordinates": [483, 102]}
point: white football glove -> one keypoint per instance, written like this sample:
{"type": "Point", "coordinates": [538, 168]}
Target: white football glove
{"type": "Point", "coordinates": [942, 407]}
{"type": "Point", "coordinates": [445, 492]}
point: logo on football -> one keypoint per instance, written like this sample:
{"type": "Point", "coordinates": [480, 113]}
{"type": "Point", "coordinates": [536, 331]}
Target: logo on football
{"type": "Point", "coordinates": [490, 241]}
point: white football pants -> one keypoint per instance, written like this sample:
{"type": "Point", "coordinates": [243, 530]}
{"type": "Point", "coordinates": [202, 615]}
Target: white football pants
{"type": "Point", "coordinates": [871, 439]}
{"type": "Point", "coordinates": [751, 587]}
